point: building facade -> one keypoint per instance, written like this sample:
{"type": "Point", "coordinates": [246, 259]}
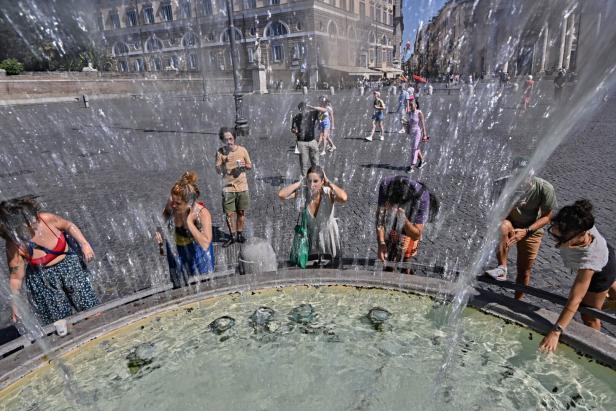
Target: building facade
{"type": "Point", "coordinates": [515, 36]}
{"type": "Point", "coordinates": [306, 40]}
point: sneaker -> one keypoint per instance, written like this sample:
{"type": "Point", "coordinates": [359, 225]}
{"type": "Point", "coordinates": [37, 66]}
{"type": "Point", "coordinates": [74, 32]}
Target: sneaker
{"type": "Point", "coordinates": [499, 273]}
{"type": "Point", "coordinates": [240, 238]}
{"type": "Point", "coordinates": [229, 241]}
{"type": "Point", "coordinates": [409, 169]}
{"type": "Point", "coordinates": [369, 138]}
{"type": "Point", "coordinates": [331, 148]}
{"type": "Point", "coordinates": [402, 131]}
{"type": "Point", "coordinates": [296, 150]}
{"type": "Point", "coordinates": [323, 152]}
{"type": "Point", "coordinates": [421, 163]}
{"type": "Point", "coordinates": [382, 137]}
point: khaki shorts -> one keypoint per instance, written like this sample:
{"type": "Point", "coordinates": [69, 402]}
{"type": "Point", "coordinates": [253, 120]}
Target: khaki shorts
{"type": "Point", "coordinates": [528, 248]}
{"type": "Point", "coordinates": [234, 202]}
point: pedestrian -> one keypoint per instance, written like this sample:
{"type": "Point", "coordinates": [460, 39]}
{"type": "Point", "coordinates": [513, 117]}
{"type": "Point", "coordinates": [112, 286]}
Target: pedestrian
{"type": "Point", "coordinates": [378, 116]}
{"type": "Point", "coordinates": [190, 223]}
{"type": "Point", "coordinates": [402, 108]}
{"type": "Point", "coordinates": [302, 126]}
{"type": "Point", "coordinates": [232, 161]}
{"type": "Point", "coordinates": [417, 129]}
{"type": "Point", "coordinates": [523, 227]}
{"type": "Point", "coordinates": [559, 85]}
{"type": "Point", "coordinates": [404, 207]}
{"type": "Point", "coordinates": [529, 85]}
{"type": "Point", "coordinates": [319, 196]}
{"type": "Point", "coordinates": [586, 253]}
{"type": "Point", "coordinates": [326, 123]}
{"type": "Point", "coordinates": [49, 253]}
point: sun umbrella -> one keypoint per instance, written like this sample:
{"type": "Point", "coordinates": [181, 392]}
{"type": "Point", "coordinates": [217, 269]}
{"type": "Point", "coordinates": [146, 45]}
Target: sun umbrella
{"type": "Point", "coordinates": [419, 79]}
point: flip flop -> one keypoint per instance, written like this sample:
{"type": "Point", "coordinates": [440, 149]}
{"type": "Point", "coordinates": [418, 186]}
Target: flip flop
{"type": "Point", "coordinates": [497, 273]}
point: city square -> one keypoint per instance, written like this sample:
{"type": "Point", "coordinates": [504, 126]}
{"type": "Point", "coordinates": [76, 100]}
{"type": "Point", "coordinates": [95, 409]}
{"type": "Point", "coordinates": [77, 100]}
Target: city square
{"type": "Point", "coordinates": [106, 157]}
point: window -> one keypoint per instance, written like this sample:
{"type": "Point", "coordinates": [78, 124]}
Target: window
{"type": "Point", "coordinates": [157, 65]}
{"type": "Point", "coordinates": [274, 2]}
{"type": "Point", "coordinates": [131, 18]}
{"type": "Point", "coordinates": [148, 14]}
{"type": "Point", "coordinates": [362, 9]}
{"type": "Point", "coordinates": [250, 4]}
{"type": "Point", "coordinates": [343, 4]}
{"type": "Point", "coordinates": [166, 12]}
{"type": "Point", "coordinates": [276, 29]}
{"type": "Point", "coordinates": [332, 30]}
{"type": "Point", "coordinates": [251, 55]}
{"type": "Point", "coordinates": [277, 53]}
{"type": "Point", "coordinates": [299, 51]}
{"type": "Point", "coordinates": [207, 7]}
{"type": "Point", "coordinates": [189, 40]}
{"type": "Point", "coordinates": [379, 14]}
{"type": "Point", "coordinates": [185, 11]}
{"type": "Point", "coordinates": [237, 37]}
{"type": "Point", "coordinates": [153, 44]}
{"type": "Point", "coordinates": [352, 6]}
{"type": "Point", "coordinates": [139, 65]}
{"type": "Point", "coordinates": [120, 49]}
{"type": "Point", "coordinates": [115, 19]}
{"type": "Point", "coordinates": [122, 66]}
{"type": "Point", "coordinates": [193, 62]}
{"type": "Point", "coordinates": [363, 60]}
{"type": "Point", "coordinates": [100, 22]}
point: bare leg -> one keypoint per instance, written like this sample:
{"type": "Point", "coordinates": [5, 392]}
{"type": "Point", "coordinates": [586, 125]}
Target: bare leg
{"type": "Point", "coordinates": [241, 219]}
{"type": "Point", "coordinates": [523, 277]}
{"type": "Point", "coordinates": [373, 129]}
{"type": "Point", "coordinates": [594, 300]}
{"type": "Point", "coordinates": [506, 231]}
{"type": "Point", "coordinates": [231, 222]}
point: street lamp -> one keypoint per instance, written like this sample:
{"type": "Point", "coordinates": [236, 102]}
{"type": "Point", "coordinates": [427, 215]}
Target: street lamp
{"type": "Point", "coordinates": [241, 124]}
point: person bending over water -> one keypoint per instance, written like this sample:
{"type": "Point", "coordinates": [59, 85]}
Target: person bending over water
{"type": "Point", "coordinates": [586, 253]}
{"type": "Point", "coordinates": [191, 224]}
{"type": "Point", "coordinates": [326, 123]}
{"type": "Point", "coordinates": [319, 197]}
{"type": "Point", "coordinates": [46, 251]}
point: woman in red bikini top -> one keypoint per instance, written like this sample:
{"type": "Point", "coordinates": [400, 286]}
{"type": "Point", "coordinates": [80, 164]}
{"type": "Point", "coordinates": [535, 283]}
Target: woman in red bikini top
{"type": "Point", "coordinates": [35, 238]}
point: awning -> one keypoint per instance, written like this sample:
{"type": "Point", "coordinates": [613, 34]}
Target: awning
{"type": "Point", "coordinates": [390, 72]}
{"type": "Point", "coordinates": [354, 71]}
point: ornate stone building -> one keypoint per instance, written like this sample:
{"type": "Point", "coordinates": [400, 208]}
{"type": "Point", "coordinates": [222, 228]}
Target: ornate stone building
{"type": "Point", "coordinates": [308, 40]}
{"type": "Point", "coordinates": [516, 36]}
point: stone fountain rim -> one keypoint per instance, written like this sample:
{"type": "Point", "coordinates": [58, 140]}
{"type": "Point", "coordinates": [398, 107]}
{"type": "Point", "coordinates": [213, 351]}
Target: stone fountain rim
{"type": "Point", "coordinates": [23, 362]}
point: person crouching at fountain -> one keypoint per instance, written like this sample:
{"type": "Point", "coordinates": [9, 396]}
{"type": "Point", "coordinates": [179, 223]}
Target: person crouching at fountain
{"type": "Point", "coordinates": [523, 227]}
{"type": "Point", "coordinates": [191, 224]}
{"type": "Point", "coordinates": [586, 253]}
{"type": "Point", "coordinates": [404, 207]}
{"type": "Point", "coordinates": [48, 252]}
{"type": "Point", "coordinates": [319, 196]}
{"type": "Point", "coordinates": [232, 161]}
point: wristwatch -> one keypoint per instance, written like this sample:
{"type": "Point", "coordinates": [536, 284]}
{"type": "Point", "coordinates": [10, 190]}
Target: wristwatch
{"type": "Point", "coordinates": [382, 243]}
{"type": "Point", "coordinates": [557, 328]}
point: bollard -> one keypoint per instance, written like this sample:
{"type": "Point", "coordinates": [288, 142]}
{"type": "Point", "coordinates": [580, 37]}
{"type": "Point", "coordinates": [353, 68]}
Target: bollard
{"type": "Point", "coordinates": [430, 90]}
{"type": "Point", "coordinates": [86, 101]}
{"type": "Point", "coordinates": [305, 90]}
{"type": "Point", "coordinates": [361, 91]}
{"type": "Point", "coordinates": [332, 90]}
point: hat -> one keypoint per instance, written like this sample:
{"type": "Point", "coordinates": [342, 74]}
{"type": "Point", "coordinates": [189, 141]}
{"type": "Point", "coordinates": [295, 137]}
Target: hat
{"type": "Point", "coordinates": [519, 162]}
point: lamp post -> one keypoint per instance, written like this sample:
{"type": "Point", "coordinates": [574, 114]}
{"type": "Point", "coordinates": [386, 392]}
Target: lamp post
{"type": "Point", "coordinates": [241, 124]}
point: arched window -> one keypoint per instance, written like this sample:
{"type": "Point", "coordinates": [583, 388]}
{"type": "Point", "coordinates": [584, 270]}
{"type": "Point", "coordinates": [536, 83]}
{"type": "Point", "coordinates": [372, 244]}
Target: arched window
{"type": "Point", "coordinates": [189, 40]}
{"type": "Point", "coordinates": [332, 30]}
{"type": "Point", "coordinates": [237, 37]}
{"type": "Point", "coordinates": [276, 29]}
{"type": "Point", "coordinates": [384, 40]}
{"type": "Point", "coordinates": [351, 33]}
{"type": "Point", "coordinates": [153, 44]}
{"type": "Point", "coordinates": [372, 38]}
{"type": "Point", "coordinates": [120, 49]}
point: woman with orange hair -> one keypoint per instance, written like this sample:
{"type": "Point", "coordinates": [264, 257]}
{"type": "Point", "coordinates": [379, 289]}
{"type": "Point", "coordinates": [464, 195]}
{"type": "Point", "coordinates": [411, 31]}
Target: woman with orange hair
{"type": "Point", "coordinates": [191, 224]}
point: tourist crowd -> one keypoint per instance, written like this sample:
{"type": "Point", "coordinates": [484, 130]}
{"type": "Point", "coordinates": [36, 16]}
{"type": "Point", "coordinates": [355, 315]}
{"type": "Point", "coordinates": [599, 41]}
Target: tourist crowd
{"type": "Point", "coordinates": [50, 254]}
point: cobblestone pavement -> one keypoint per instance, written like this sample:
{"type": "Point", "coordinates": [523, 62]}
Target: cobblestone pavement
{"type": "Point", "coordinates": [109, 169]}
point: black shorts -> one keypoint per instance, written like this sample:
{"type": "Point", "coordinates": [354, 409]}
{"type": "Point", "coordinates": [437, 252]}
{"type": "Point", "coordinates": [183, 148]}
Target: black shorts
{"type": "Point", "coordinates": [603, 280]}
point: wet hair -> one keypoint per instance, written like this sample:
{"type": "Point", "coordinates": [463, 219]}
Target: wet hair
{"type": "Point", "coordinates": [223, 130]}
{"type": "Point", "coordinates": [186, 187]}
{"type": "Point", "coordinates": [301, 106]}
{"type": "Point", "coordinates": [377, 93]}
{"type": "Point", "coordinates": [323, 100]}
{"type": "Point", "coordinates": [16, 217]}
{"type": "Point", "coordinates": [574, 219]}
{"type": "Point", "coordinates": [401, 193]}
{"type": "Point", "coordinates": [317, 170]}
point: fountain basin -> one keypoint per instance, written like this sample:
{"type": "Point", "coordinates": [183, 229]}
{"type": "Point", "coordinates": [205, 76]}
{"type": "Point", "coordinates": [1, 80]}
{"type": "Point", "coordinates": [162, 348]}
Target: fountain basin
{"type": "Point", "coordinates": [332, 357]}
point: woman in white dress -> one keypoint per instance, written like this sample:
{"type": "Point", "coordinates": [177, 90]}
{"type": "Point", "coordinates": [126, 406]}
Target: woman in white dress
{"type": "Point", "coordinates": [319, 197]}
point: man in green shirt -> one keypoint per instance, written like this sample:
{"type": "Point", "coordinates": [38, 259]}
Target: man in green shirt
{"type": "Point", "coordinates": [523, 228]}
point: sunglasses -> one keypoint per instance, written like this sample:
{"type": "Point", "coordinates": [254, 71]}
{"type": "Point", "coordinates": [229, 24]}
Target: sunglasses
{"type": "Point", "coordinates": [561, 239]}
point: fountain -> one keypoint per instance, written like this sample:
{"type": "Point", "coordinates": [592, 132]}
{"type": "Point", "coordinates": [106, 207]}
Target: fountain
{"type": "Point", "coordinates": [358, 337]}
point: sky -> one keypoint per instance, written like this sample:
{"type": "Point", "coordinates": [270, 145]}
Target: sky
{"type": "Point", "coordinates": [416, 12]}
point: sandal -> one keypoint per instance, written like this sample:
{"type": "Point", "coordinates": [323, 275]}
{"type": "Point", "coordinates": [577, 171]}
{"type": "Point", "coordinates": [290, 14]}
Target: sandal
{"type": "Point", "coordinates": [499, 273]}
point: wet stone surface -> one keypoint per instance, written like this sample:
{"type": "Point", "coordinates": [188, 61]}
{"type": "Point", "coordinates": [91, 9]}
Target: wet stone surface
{"type": "Point", "coordinates": [109, 169]}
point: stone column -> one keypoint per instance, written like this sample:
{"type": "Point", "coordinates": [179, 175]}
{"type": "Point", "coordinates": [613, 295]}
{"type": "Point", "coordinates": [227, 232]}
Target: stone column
{"type": "Point", "coordinates": [544, 48]}
{"type": "Point", "coordinates": [563, 38]}
{"type": "Point", "coordinates": [570, 37]}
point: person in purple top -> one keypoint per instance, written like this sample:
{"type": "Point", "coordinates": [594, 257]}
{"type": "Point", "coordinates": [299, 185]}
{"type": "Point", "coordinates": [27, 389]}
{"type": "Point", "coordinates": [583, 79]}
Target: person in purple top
{"type": "Point", "coordinates": [404, 207]}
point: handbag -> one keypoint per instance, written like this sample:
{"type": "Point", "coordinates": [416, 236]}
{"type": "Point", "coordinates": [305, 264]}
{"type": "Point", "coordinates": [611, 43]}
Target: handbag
{"type": "Point", "coordinates": [301, 246]}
